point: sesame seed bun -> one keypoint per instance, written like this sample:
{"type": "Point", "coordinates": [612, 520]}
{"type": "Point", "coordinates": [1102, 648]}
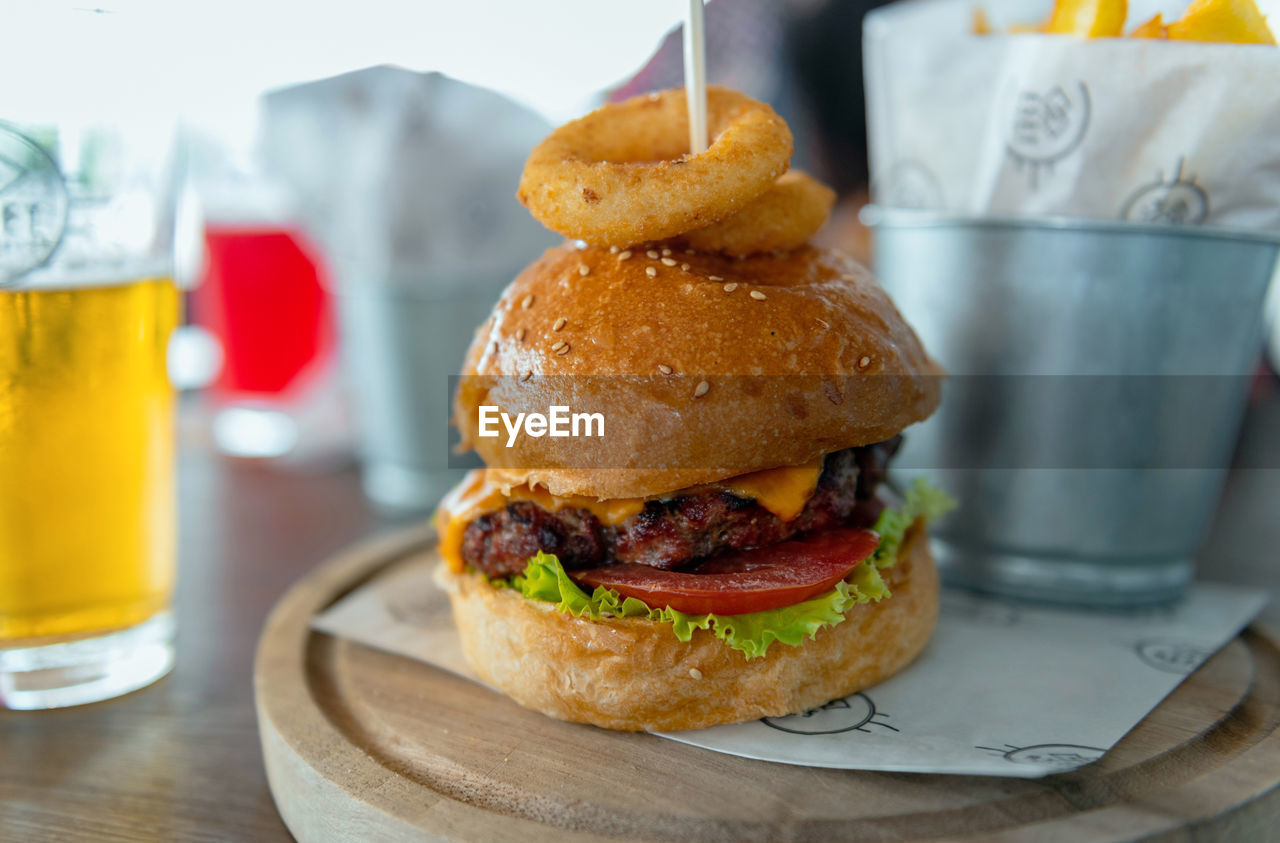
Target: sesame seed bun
{"type": "Point", "coordinates": [742, 364]}
{"type": "Point", "coordinates": [634, 674]}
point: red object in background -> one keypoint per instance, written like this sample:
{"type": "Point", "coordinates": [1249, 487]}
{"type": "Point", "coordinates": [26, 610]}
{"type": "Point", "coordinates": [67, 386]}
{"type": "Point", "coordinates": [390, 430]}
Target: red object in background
{"type": "Point", "coordinates": [264, 296]}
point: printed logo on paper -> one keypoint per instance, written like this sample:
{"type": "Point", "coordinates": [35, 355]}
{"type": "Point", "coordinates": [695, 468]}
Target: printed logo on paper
{"type": "Point", "coordinates": [1059, 756]}
{"type": "Point", "coordinates": [33, 205]}
{"type": "Point", "coordinates": [1047, 126]}
{"type": "Point", "coordinates": [1177, 200]}
{"type": "Point", "coordinates": [847, 714]}
{"type": "Point", "coordinates": [1171, 656]}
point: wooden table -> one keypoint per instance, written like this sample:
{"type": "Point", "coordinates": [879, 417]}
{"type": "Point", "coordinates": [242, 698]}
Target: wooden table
{"type": "Point", "coordinates": [180, 760]}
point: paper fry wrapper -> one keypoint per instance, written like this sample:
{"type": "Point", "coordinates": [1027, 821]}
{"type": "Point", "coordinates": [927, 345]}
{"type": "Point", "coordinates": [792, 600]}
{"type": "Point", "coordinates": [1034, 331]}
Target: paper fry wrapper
{"type": "Point", "coordinates": [997, 125]}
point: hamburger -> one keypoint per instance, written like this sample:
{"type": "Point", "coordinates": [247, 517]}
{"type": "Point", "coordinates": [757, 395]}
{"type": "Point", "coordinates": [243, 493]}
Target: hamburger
{"type": "Point", "coordinates": [727, 548]}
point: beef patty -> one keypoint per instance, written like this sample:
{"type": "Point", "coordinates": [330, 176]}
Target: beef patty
{"type": "Point", "coordinates": [678, 531]}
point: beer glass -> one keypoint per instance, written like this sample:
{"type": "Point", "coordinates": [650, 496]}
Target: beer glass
{"type": "Point", "coordinates": [87, 511]}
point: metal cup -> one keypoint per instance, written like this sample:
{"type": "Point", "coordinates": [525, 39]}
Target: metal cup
{"type": "Point", "coordinates": [401, 344]}
{"type": "Point", "coordinates": [1098, 374]}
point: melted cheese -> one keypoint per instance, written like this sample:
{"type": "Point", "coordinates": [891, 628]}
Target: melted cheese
{"type": "Point", "coordinates": [466, 502]}
{"type": "Point", "coordinates": [782, 491]}
{"type": "Point", "coordinates": [476, 496]}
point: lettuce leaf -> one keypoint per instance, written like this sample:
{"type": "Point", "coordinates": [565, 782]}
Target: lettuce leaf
{"type": "Point", "coordinates": [922, 500]}
{"type": "Point", "coordinates": [545, 579]}
{"type": "Point", "coordinates": [752, 634]}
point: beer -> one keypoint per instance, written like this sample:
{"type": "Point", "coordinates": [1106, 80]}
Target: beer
{"type": "Point", "coordinates": [87, 535]}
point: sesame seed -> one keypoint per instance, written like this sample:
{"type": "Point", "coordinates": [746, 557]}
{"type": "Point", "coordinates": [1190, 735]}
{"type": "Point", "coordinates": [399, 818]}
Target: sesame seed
{"type": "Point", "coordinates": [564, 349]}
{"type": "Point", "coordinates": [730, 287]}
{"type": "Point", "coordinates": [527, 302]}
{"type": "Point", "coordinates": [560, 323]}
{"type": "Point", "coordinates": [653, 253]}
{"type": "Point", "coordinates": [685, 267]}
{"type": "Point", "coordinates": [584, 270]}
{"type": "Point", "coordinates": [864, 362]}
{"type": "Point", "coordinates": [558, 344]}
{"type": "Point", "coordinates": [758, 296]}
{"type": "Point", "coordinates": [668, 261]}
{"type": "Point", "coordinates": [666, 253]}
{"type": "Point", "coordinates": [701, 389]}
{"type": "Point", "coordinates": [651, 271]}
{"type": "Point", "coordinates": [526, 376]}
{"type": "Point", "coordinates": [715, 277]}
{"type": "Point", "coordinates": [664, 368]}
{"type": "Point", "coordinates": [695, 673]}
{"type": "Point", "coordinates": [520, 335]}
{"type": "Point", "coordinates": [823, 323]}
{"type": "Point", "coordinates": [625, 254]}
{"type": "Point", "coordinates": [613, 250]}
{"type": "Point", "coordinates": [848, 277]}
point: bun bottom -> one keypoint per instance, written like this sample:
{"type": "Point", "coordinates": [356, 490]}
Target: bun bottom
{"type": "Point", "coordinates": [633, 674]}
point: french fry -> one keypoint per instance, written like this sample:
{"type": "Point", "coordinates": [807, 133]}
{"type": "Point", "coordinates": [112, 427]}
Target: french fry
{"type": "Point", "coordinates": [1088, 18]}
{"type": "Point", "coordinates": [1230, 21]}
{"type": "Point", "coordinates": [1153, 28]}
{"type": "Point", "coordinates": [981, 26]}
{"type": "Point", "coordinates": [1224, 21]}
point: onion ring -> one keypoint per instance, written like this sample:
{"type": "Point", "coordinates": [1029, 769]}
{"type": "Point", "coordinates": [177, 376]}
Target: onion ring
{"type": "Point", "coordinates": [623, 174]}
{"type": "Point", "coordinates": [783, 218]}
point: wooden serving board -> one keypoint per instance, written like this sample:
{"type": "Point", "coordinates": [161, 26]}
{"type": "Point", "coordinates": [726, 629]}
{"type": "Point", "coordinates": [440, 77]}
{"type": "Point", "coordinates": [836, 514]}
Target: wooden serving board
{"type": "Point", "coordinates": [363, 745]}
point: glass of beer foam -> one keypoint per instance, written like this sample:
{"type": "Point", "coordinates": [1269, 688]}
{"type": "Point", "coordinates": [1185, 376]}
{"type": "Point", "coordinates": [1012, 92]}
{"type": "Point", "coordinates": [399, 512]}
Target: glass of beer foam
{"type": "Point", "coordinates": [87, 498]}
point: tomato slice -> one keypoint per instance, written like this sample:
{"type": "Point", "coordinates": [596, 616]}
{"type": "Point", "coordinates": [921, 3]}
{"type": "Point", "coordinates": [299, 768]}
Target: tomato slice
{"type": "Point", "coordinates": [746, 581]}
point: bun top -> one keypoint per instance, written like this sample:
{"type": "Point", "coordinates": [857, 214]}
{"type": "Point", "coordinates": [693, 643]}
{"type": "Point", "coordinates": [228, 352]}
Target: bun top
{"type": "Point", "coordinates": [747, 364]}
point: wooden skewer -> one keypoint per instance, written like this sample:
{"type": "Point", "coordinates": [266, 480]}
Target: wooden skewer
{"type": "Point", "coordinates": [695, 76]}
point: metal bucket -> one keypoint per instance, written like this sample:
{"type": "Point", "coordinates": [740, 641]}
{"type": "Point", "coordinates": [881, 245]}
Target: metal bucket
{"type": "Point", "coordinates": [1098, 374]}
